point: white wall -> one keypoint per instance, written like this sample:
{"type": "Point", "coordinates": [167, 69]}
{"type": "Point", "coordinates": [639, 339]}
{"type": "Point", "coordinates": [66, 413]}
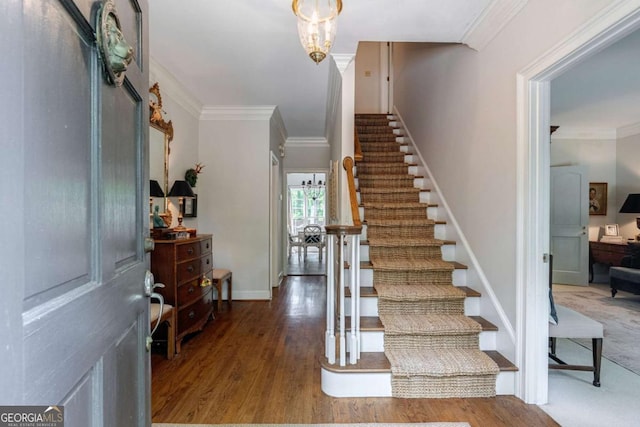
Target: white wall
{"type": "Point", "coordinates": [628, 181]}
{"type": "Point", "coordinates": [234, 200]}
{"type": "Point", "coordinates": [367, 75]}
{"type": "Point", "coordinates": [600, 158]}
{"type": "Point", "coordinates": [306, 154]}
{"type": "Point", "coordinates": [460, 107]}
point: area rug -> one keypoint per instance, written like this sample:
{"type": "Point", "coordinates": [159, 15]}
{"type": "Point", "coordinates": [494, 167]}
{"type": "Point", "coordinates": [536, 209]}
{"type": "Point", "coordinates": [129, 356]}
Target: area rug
{"type": "Point", "coordinates": [620, 317]}
{"type": "Point", "coordinates": [320, 425]}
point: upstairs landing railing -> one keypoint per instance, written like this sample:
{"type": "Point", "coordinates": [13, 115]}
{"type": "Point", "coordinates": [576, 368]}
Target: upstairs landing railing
{"type": "Point", "coordinates": [343, 271]}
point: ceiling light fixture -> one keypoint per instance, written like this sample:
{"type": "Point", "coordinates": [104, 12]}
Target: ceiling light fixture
{"type": "Point", "coordinates": [317, 25]}
{"type": "Point", "coordinates": [311, 189]}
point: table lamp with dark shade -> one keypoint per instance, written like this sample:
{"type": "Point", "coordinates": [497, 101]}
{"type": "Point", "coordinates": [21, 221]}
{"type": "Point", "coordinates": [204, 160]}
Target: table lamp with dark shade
{"type": "Point", "coordinates": [154, 191]}
{"type": "Point", "coordinates": [181, 189]}
{"type": "Point", "coordinates": [632, 205]}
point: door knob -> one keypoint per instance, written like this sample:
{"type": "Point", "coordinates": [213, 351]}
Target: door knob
{"type": "Point", "coordinates": [149, 244]}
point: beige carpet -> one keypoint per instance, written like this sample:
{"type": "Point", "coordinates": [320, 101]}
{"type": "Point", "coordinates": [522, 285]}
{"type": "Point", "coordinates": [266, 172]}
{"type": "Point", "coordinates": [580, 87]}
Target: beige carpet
{"type": "Point", "coordinates": [321, 425]}
{"type": "Point", "coordinates": [620, 317]}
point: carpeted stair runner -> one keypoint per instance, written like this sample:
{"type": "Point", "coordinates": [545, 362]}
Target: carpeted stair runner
{"type": "Point", "coordinates": [431, 345]}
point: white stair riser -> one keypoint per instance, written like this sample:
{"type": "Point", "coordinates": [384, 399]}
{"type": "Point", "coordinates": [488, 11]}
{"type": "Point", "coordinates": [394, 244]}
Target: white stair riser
{"type": "Point", "coordinates": [373, 341]}
{"type": "Point", "coordinates": [431, 212]}
{"type": "Point", "coordinates": [417, 182]}
{"type": "Point", "coordinates": [439, 232]}
{"type": "Point", "coordinates": [448, 252]}
{"type": "Point", "coordinates": [459, 277]}
{"type": "Point", "coordinates": [369, 306]}
{"type": "Point", "coordinates": [350, 384]}
{"type": "Point", "coordinates": [472, 306]}
{"type": "Point", "coordinates": [347, 384]}
{"type": "Point", "coordinates": [424, 197]}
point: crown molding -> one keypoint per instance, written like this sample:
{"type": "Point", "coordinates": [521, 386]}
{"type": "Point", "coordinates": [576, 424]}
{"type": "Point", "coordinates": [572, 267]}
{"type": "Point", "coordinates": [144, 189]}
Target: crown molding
{"type": "Point", "coordinates": [565, 132]}
{"type": "Point", "coordinates": [237, 112]}
{"type": "Point", "coordinates": [628, 130]}
{"type": "Point", "coordinates": [491, 22]}
{"type": "Point", "coordinates": [172, 88]}
{"type": "Point", "coordinates": [277, 121]}
{"type": "Point", "coordinates": [316, 142]}
{"type": "Point", "coordinates": [343, 60]}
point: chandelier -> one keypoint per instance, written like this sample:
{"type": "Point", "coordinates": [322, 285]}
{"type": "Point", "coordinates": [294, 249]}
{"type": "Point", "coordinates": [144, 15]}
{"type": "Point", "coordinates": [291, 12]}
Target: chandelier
{"type": "Point", "coordinates": [311, 189]}
{"type": "Point", "coordinates": [317, 25]}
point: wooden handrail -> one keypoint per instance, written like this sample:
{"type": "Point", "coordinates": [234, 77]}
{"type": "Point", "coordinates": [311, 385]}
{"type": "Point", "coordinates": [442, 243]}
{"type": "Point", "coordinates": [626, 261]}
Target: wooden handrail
{"type": "Point", "coordinates": [357, 149]}
{"type": "Point", "coordinates": [347, 163]}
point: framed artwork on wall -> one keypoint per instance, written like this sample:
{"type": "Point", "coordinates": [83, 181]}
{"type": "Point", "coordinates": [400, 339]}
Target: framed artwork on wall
{"type": "Point", "coordinates": [190, 207]}
{"type": "Point", "coordinates": [597, 198]}
{"type": "Point", "coordinates": [611, 230]}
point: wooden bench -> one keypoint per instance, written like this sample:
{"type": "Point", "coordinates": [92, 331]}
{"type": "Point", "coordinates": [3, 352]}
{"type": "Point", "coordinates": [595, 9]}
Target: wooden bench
{"type": "Point", "coordinates": [572, 324]}
{"type": "Point", "coordinates": [219, 277]}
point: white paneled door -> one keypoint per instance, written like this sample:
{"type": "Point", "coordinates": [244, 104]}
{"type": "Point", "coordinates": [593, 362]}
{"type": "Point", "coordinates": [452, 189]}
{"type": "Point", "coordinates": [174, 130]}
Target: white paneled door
{"type": "Point", "coordinates": [569, 224]}
{"type": "Point", "coordinates": [74, 311]}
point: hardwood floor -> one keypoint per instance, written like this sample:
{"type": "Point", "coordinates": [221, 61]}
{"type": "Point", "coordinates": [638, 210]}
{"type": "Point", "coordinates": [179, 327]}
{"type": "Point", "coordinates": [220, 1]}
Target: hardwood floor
{"type": "Point", "coordinates": [259, 362]}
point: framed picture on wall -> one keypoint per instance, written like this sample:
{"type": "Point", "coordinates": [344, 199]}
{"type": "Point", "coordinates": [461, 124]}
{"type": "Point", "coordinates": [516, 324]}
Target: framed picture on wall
{"type": "Point", "coordinates": [611, 230]}
{"type": "Point", "coordinates": [190, 207]}
{"type": "Point", "coordinates": [597, 198]}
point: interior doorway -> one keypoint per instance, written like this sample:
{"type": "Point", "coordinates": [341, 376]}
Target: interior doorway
{"type": "Point", "coordinates": [306, 205]}
{"type": "Point", "coordinates": [533, 184]}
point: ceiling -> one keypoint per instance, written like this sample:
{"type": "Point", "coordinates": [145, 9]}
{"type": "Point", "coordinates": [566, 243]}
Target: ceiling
{"type": "Point", "coordinates": [602, 92]}
{"type": "Point", "coordinates": [247, 52]}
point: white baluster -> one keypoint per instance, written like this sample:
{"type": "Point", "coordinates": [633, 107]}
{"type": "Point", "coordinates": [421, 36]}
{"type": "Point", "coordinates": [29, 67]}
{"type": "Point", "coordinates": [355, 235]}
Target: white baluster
{"type": "Point", "coordinates": [343, 343]}
{"type": "Point", "coordinates": [330, 337]}
{"type": "Point", "coordinates": [355, 315]}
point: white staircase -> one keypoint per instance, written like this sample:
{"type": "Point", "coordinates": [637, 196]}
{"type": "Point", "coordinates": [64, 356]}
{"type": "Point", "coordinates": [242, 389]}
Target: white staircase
{"type": "Point", "coordinates": [370, 376]}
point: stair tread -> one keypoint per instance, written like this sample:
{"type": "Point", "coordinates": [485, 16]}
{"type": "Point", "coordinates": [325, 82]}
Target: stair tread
{"type": "Point", "coordinates": [377, 362]}
{"type": "Point", "coordinates": [443, 242]}
{"type": "Point", "coordinates": [370, 362]}
{"type": "Point", "coordinates": [387, 205]}
{"type": "Point", "coordinates": [503, 363]}
{"type": "Point", "coordinates": [470, 292]}
{"type": "Point", "coordinates": [374, 323]}
{"type": "Point", "coordinates": [484, 323]}
{"type": "Point", "coordinates": [366, 265]}
{"type": "Point", "coordinates": [371, 292]}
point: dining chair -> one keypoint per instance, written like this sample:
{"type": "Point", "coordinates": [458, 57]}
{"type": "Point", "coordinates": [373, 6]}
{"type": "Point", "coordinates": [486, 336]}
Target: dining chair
{"type": "Point", "coordinates": [295, 242]}
{"type": "Point", "coordinates": [313, 237]}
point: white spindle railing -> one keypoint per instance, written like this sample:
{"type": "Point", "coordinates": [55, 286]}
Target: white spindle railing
{"type": "Point", "coordinates": [339, 236]}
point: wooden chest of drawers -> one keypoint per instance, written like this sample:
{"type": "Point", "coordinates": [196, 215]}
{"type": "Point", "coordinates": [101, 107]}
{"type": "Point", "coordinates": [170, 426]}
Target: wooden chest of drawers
{"type": "Point", "coordinates": [181, 265]}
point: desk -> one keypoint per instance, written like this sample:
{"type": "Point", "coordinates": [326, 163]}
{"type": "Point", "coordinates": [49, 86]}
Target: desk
{"type": "Point", "coordinates": [610, 254]}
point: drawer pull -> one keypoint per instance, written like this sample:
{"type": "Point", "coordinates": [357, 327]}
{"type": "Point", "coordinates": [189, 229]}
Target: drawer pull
{"type": "Point", "coordinates": [190, 251]}
{"type": "Point", "coordinates": [208, 261]}
{"type": "Point", "coordinates": [207, 245]}
{"type": "Point", "coordinates": [192, 314]}
{"type": "Point", "coordinates": [190, 290]}
{"type": "Point", "coordinates": [190, 269]}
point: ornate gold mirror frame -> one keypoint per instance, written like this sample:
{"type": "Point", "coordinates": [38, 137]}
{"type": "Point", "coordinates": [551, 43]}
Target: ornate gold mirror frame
{"type": "Point", "coordinates": [156, 121]}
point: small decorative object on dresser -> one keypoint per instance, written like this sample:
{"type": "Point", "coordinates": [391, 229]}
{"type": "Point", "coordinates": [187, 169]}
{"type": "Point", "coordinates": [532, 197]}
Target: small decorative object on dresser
{"type": "Point", "coordinates": [185, 267]}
